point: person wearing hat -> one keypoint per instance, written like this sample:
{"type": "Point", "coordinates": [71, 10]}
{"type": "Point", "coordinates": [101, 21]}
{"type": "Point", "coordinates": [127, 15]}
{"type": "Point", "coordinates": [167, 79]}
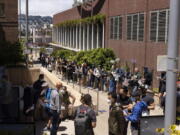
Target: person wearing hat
{"type": "Point", "coordinates": [85, 117]}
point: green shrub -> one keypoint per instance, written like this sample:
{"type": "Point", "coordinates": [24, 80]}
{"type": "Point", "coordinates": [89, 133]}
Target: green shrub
{"type": "Point", "coordinates": [63, 54]}
{"type": "Point", "coordinates": [11, 53]}
{"type": "Point", "coordinates": [94, 57]}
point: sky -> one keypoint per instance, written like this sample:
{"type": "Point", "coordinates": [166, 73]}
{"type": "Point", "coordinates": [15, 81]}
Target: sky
{"type": "Point", "coordinates": [46, 7]}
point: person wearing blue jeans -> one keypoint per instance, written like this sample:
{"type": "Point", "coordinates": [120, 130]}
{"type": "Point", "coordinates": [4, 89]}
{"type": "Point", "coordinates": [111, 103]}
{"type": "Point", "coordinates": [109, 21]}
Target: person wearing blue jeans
{"type": "Point", "coordinates": [55, 120]}
{"type": "Point", "coordinates": [55, 104]}
{"type": "Point", "coordinates": [112, 84]}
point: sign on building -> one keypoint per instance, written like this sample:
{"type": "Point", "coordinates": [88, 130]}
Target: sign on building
{"type": "Point", "coordinates": [162, 63]}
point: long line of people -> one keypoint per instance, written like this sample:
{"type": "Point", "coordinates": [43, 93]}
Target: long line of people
{"type": "Point", "coordinates": [129, 93]}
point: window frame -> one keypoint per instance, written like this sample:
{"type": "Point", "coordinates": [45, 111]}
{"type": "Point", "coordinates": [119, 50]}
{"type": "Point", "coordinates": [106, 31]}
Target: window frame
{"type": "Point", "coordinates": [115, 27]}
{"type": "Point", "coordinates": [137, 27]}
{"type": "Point", "coordinates": [3, 15]}
{"type": "Point", "coordinates": [157, 26]}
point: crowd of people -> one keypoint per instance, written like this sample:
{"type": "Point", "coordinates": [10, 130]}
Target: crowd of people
{"type": "Point", "coordinates": [58, 105]}
{"type": "Point", "coordinates": [129, 96]}
{"type": "Point", "coordinates": [128, 92]}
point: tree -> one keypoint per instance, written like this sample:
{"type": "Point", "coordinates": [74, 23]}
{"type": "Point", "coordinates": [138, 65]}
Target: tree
{"type": "Point", "coordinates": [11, 53]}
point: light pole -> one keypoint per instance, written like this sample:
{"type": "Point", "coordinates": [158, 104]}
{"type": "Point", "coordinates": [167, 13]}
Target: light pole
{"type": "Point", "coordinates": [170, 112]}
{"type": "Point", "coordinates": [19, 19]}
{"type": "Point", "coordinates": [27, 19]}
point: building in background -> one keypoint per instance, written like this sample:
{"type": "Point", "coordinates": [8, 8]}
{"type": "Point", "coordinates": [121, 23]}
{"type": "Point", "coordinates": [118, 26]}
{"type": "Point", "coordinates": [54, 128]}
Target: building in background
{"type": "Point", "coordinates": [137, 31]}
{"type": "Point", "coordinates": [9, 20]}
{"type": "Point", "coordinates": [42, 36]}
{"type": "Point", "coordinates": [35, 22]}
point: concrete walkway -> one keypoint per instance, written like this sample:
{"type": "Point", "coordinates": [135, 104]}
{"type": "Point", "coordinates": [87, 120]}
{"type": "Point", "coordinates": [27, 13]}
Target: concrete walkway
{"type": "Point", "coordinates": [67, 127]}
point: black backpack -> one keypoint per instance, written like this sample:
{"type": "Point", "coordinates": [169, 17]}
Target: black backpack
{"type": "Point", "coordinates": [82, 121]}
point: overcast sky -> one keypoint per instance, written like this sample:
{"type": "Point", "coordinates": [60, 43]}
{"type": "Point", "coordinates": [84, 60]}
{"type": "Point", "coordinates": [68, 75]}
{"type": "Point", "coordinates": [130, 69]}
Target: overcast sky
{"type": "Point", "coordinates": [46, 7]}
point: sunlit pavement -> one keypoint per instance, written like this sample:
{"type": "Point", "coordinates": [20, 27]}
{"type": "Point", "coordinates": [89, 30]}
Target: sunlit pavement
{"type": "Point", "coordinates": [67, 127]}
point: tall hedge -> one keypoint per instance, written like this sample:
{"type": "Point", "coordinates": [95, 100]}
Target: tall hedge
{"type": "Point", "coordinates": [97, 57]}
{"type": "Point", "coordinates": [63, 54]}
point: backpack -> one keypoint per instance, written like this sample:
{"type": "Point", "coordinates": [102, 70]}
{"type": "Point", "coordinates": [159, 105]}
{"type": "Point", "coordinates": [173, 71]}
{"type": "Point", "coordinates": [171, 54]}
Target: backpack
{"type": "Point", "coordinates": [82, 121]}
{"type": "Point", "coordinates": [47, 97]}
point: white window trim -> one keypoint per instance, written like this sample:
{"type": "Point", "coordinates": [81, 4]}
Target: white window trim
{"type": "Point", "coordinates": [157, 27]}
{"type": "Point", "coordinates": [166, 27]}
{"type": "Point", "coordinates": [114, 27]}
{"type": "Point", "coordinates": [143, 13]}
{"type": "Point", "coordinates": [131, 15]}
{"type": "Point", "coordinates": [127, 26]}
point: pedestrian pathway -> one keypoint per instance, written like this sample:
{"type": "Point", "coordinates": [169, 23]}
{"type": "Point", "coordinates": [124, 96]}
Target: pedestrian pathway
{"type": "Point", "coordinates": [67, 127]}
{"type": "Point", "coordinates": [102, 118]}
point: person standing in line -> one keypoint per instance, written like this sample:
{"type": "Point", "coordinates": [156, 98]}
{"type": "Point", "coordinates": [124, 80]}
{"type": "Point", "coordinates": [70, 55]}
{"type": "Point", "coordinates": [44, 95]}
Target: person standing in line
{"type": "Point", "coordinates": [97, 74]}
{"type": "Point", "coordinates": [55, 107]}
{"type": "Point", "coordinates": [85, 117]}
{"type": "Point", "coordinates": [66, 95]}
{"type": "Point", "coordinates": [116, 117]}
{"type": "Point", "coordinates": [46, 96]}
{"type": "Point", "coordinates": [112, 84]}
{"type": "Point", "coordinates": [136, 113]}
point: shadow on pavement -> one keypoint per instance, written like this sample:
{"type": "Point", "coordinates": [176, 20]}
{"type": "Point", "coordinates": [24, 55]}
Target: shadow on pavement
{"type": "Point", "coordinates": [62, 128]}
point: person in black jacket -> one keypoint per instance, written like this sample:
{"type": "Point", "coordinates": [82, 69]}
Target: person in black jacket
{"type": "Point", "coordinates": [37, 86]}
{"type": "Point", "coordinates": [116, 118]}
{"type": "Point", "coordinates": [28, 108]}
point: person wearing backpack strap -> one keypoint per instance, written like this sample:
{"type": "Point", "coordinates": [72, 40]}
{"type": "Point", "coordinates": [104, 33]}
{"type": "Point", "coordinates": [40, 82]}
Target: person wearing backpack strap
{"type": "Point", "coordinates": [85, 117]}
{"type": "Point", "coordinates": [46, 94]}
{"type": "Point", "coordinates": [116, 117]}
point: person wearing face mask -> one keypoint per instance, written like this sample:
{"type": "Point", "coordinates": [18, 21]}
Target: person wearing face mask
{"type": "Point", "coordinates": [124, 100]}
{"type": "Point", "coordinates": [116, 120]}
{"type": "Point", "coordinates": [68, 105]}
{"type": "Point", "coordinates": [123, 97]}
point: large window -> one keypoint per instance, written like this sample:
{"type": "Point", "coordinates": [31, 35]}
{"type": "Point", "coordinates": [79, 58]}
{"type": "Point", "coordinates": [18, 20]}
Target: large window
{"type": "Point", "coordinates": [116, 27]}
{"type": "Point", "coordinates": [2, 8]}
{"type": "Point", "coordinates": [135, 27]}
{"type": "Point", "coordinates": [159, 26]}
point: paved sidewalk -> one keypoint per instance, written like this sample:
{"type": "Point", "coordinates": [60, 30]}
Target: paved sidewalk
{"type": "Point", "coordinates": [102, 118]}
{"type": "Point", "coordinates": [67, 127]}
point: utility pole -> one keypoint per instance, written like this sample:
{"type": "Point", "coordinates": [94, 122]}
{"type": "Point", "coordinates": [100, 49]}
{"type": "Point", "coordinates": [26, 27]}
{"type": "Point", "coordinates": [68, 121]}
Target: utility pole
{"type": "Point", "coordinates": [19, 19]}
{"type": "Point", "coordinates": [170, 112]}
{"type": "Point", "coordinates": [27, 19]}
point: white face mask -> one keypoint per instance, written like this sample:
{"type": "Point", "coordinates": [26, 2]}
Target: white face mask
{"type": "Point", "coordinates": [108, 101]}
{"type": "Point", "coordinates": [62, 91]}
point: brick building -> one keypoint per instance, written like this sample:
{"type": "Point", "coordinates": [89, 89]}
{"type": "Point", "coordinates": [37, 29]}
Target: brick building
{"type": "Point", "coordinates": [9, 20]}
{"type": "Point", "coordinates": [136, 30]}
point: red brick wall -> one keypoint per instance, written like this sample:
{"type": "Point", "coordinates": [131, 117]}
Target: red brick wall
{"type": "Point", "coordinates": [144, 52]}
